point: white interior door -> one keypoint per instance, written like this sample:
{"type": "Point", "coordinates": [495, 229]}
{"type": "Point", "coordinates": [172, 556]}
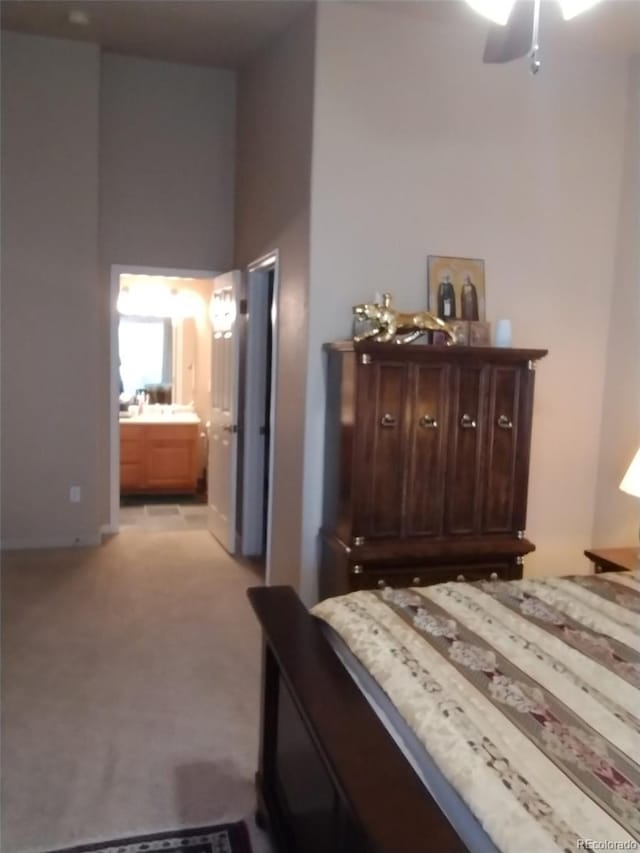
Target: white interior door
{"type": "Point", "coordinates": [223, 417]}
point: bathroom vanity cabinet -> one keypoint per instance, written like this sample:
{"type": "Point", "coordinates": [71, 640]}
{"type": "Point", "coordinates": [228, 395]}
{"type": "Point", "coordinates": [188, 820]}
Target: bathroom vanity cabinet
{"type": "Point", "coordinates": [158, 457]}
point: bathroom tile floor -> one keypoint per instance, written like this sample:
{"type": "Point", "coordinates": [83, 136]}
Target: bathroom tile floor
{"type": "Point", "coordinates": [166, 516]}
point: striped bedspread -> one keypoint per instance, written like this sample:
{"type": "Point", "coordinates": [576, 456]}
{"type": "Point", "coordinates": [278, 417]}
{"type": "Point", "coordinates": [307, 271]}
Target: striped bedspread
{"type": "Point", "coordinates": [525, 693]}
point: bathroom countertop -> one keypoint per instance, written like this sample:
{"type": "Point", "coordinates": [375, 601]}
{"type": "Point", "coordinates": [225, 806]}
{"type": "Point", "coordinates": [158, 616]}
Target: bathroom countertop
{"type": "Point", "coordinates": [158, 418]}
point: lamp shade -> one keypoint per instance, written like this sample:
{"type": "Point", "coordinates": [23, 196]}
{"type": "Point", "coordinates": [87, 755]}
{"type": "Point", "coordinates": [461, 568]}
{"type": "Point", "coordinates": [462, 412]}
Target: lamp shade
{"type": "Point", "coordinates": [631, 480]}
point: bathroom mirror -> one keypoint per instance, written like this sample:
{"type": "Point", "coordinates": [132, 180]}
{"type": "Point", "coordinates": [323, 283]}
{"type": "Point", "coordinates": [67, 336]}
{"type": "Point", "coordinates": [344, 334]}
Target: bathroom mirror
{"type": "Point", "coordinates": [146, 357]}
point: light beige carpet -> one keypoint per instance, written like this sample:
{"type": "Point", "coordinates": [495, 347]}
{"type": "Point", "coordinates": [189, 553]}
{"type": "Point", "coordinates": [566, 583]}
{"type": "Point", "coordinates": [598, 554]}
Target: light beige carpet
{"type": "Point", "coordinates": [130, 678]}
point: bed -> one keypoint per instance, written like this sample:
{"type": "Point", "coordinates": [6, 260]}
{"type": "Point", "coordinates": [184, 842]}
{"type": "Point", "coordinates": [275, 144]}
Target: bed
{"type": "Point", "coordinates": [489, 716]}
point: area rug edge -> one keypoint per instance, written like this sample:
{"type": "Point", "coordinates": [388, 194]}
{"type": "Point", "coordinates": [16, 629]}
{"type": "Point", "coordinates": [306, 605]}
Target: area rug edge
{"type": "Point", "coordinates": [237, 831]}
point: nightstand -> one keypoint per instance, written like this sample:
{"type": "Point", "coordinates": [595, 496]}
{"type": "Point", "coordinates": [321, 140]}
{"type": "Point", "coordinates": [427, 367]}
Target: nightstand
{"type": "Point", "coordinates": [614, 559]}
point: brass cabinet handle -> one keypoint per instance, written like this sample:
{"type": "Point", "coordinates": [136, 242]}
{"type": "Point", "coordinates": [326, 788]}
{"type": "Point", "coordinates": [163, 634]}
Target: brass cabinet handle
{"type": "Point", "coordinates": [416, 581]}
{"type": "Point", "coordinates": [387, 420]}
{"type": "Point", "coordinates": [428, 422]}
{"type": "Point", "coordinates": [504, 422]}
{"type": "Point", "coordinates": [382, 583]}
{"type": "Point", "coordinates": [357, 569]}
{"type": "Point", "coordinates": [493, 576]}
{"type": "Point", "coordinates": [467, 422]}
{"type": "Point", "coordinates": [460, 578]}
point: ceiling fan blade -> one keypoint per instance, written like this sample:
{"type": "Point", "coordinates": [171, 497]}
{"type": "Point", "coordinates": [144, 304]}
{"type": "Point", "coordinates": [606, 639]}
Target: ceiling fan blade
{"type": "Point", "coordinates": [514, 39]}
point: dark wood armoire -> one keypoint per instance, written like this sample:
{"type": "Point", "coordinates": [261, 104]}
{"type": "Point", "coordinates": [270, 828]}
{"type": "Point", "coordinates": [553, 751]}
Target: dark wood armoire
{"type": "Point", "coordinates": [427, 464]}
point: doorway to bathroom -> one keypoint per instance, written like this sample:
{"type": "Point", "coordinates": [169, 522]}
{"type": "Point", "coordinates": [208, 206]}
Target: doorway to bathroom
{"type": "Point", "coordinates": [160, 381]}
{"type": "Point", "coordinates": [236, 394]}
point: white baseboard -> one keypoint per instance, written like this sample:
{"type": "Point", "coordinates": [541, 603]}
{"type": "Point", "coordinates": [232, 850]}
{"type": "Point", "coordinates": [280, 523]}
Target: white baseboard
{"type": "Point", "coordinates": [109, 529]}
{"type": "Point", "coordinates": [80, 540]}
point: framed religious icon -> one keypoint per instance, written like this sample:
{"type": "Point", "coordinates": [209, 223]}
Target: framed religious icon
{"type": "Point", "coordinates": [455, 288]}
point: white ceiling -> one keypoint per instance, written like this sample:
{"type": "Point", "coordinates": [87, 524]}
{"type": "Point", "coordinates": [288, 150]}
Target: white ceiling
{"type": "Point", "coordinates": [225, 33]}
{"type": "Point", "coordinates": [221, 33]}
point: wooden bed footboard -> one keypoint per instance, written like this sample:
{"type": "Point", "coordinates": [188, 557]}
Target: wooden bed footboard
{"type": "Point", "coordinates": [330, 778]}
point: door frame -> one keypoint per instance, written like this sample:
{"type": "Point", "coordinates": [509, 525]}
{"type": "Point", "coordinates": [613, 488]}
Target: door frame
{"type": "Point", "coordinates": [257, 277]}
{"type": "Point", "coordinates": [113, 526]}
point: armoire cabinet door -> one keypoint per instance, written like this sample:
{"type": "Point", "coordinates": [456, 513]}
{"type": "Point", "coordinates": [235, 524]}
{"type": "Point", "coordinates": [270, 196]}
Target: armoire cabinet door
{"type": "Point", "coordinates": [381, 448]}
{"type": "Point", "coordinates": [464, 486]}
{"type": "Point", "coordinates": [429, 424]}
{"type": "Point", "coordinates": [503, 429]}
{"type": "Point", "coordinates": [508, 445]}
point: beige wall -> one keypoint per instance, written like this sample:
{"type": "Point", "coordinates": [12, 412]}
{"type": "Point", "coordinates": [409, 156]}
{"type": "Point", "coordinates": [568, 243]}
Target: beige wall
{"type": "Point", "coordinates": [275, 112]}
{"type": "Point", "coordinates": [167, 140]}
{"type": "Point", "coordinates": [105, 161]}
{"type": "Point", "coordinates": [49, 290]}
{"type": "Point", "coordinates": [421, 149]}
{"type": "Point", "coordinates": [617, 514]}
{"type": "Point", "coordinates": [167, 143]}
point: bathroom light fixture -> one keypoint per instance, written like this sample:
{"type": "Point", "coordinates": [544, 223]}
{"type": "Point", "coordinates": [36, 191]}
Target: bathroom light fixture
{"type": "Point", "coordinates": [148, 299]}
{"type": "Point", "coordinates": [145, 300]}
{"type": "Point", "coordinates": [499, 11]}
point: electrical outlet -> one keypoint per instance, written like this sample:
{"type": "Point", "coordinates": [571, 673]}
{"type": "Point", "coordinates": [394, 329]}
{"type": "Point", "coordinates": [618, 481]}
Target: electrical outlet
{"type": "Point", "coordinates": [75, 494]}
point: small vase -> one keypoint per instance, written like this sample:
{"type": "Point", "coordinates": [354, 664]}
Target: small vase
{"type": "Point", "coordinates": [502, 336]}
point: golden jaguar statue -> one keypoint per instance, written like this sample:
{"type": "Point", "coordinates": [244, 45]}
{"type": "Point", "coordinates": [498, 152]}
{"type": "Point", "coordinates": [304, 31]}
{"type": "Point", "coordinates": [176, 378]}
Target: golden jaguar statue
{"type": "Point", "coordinates": [387, 324]}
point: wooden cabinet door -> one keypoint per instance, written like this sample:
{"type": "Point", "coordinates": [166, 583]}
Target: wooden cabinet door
{"type": "Point", "coordinates": [171, 457]}
{"type": "Point", "coordinates": [507, 456]}
{"type": "Point", "coordinates": [464, 486]}
{"type": "Point", "coordinates": [132, 457]}
{"type": "Point", "coordinates": [429, 424]}
{"type": "Point", "coordinates": [502, 442]}
{"type": "Point", "coordinates": [131, 476]}
{"type": "Point", "coordinates": [380, 450]}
